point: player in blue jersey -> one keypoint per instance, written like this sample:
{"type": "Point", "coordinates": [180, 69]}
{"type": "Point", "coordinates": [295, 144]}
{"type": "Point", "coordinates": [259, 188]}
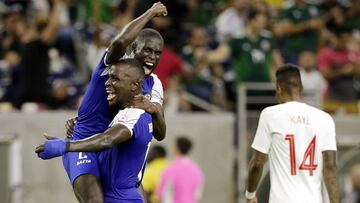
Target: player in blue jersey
{"type": "Point", "coordinates": [94, 114]}
{"type": "Point", "coordinates": [126, 141]}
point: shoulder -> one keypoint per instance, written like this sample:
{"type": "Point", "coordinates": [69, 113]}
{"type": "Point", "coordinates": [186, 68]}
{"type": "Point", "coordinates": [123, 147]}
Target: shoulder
{"type": "Point", "coordinates": [128, 114]}
{"type": "Point", "coordinates": [157, 81]}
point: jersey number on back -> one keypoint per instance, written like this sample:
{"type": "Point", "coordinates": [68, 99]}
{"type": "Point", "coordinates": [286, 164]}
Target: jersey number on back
{"type": "Point", "coordinates": [308, 155]}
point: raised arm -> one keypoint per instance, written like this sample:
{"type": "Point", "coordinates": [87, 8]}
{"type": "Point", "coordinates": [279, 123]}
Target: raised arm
{"type": "Point", "coordinates": [254, 175]}
{"type": "Point", "coordinates": [129, 33]}
{"type": "Point", "coordinates": [50, 32]}
{"type": "Point", "coordinates": [330, 175]}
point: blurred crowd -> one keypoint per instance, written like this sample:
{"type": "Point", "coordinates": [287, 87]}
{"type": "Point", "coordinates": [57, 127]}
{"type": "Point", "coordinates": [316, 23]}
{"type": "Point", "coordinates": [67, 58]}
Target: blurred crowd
{"type": "Point", "coordinates": [48, 49]}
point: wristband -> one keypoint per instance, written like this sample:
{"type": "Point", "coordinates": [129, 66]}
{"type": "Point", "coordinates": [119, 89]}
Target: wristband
{"type": "Point", "coordinates": [250, 195]}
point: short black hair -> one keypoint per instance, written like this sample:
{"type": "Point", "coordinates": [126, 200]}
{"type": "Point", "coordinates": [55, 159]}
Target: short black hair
{"type": "Point", "coordinates": [288, 77]}
{"type": "Point", "coordinates": [134, 64]}
{"type": "Point", "coordinates": [183, 144]}
{"type": "Point", "coordinates": [149, 32]}
{"type": "Point", "coordinates": [156, 151]}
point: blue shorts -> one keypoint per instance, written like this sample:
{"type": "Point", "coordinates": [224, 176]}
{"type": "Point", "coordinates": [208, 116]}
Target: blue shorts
{"type": "Point", "coordinates": [80, 163]}
{"type": "Point", "coordinates": [130, 195]}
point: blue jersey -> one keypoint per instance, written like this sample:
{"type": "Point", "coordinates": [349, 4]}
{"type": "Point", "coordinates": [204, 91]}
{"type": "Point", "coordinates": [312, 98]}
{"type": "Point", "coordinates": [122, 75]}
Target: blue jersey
{"type": "Point", "coordinates": [94, 117]}
{"type": "Point", "coordinates": [122, 166]}
{"type": "Point", "coordinates": [94, 112]}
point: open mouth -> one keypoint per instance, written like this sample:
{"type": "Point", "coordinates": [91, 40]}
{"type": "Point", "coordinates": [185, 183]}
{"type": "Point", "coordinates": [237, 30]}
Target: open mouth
{"type": "Point", "coordinates": [111, 95]}
{"type": "Point", "coordinates": [148, 67]}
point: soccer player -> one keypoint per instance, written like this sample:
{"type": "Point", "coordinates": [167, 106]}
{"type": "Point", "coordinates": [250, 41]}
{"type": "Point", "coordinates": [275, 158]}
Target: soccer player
{"type": "Point", "coordinates": [94, 114]}
{"type": "Point", "coordinates": [300, 142]}
{"type": "Point", "coordinates": [127, 139]}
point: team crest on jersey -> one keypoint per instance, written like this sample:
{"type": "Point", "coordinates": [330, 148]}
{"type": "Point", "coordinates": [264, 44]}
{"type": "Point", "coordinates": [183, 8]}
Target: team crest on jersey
{"type": "Point", "coordinates": [150, 127]}
{"type": "Point", "coordinates": [148, 96]}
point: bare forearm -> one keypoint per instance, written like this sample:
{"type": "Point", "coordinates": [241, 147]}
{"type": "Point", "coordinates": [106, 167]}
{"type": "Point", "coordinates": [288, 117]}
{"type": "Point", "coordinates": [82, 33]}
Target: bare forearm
{"type": "Point", "coordinates": [331, 182]}
{"type": "Point", "coordinates": [127, 36]}
{"type": "Point", "coordinates": [50, 32]}
{"type": "Point", "coordinates": [158, 119]}
{"type": "Point", "coordinates": [330, 175]}
{"type": "Point", "coordinates": [100, 141]}
{"type": "Point", "coordinates": [95, 143]}
{"type": "Point", "coordinates": [255, 172]}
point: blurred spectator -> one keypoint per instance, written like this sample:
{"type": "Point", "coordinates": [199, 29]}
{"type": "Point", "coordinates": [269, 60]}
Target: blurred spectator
{"type": "Point", "coordinates": [170, 71]}
{"type": "Point", "coordinates": [352, 15]}
{"type": "Point", "coordinates": [312, 80]}
{"type": "Point", "coordinates": [173, 22]}
{"type": "Point", "coordinates": [182, 180]}
{"type": "Point", "coordinates": [332, 11]}
{"type": "Point", "coordinates": [255, 55]}
{"type": "Point", "coordinates": [34, 66]}
{"type": "Point", "coordinates": [202, 79]}
{"type": "Point", "coordinates": [231, 22]}
{"type": "Point", "coordinates": [200, 12]}
{"type": "Point", "coordinates": [339, 66]}
{"type": "Point", "coordinates": [352, 186]}
{"type": "Point", "coordinates": [299, 27]}
{"type": "Point", "coordinates": [156, 164]}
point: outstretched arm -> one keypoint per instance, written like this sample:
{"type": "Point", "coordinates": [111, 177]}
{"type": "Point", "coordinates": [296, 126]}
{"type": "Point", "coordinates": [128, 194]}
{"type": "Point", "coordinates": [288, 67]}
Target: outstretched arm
{"type": "Point", "coordinates": [54, 147]}
{"type": "Point", "coordinates": [330, 175]}
{"type": "Point", "coordinates": [255, 171]}
{"type": "Point", "coordinates": [129, 33]}
{"type": "Point", "coordinates": [101, 141]}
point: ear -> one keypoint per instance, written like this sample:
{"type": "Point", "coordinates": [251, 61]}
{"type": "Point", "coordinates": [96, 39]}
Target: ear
{"type": "Point", "coordinates": [134, 86]}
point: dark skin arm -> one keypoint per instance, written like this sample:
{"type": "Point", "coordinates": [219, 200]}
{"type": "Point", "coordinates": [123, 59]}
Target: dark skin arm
{"type": "Point", "coordinates": [157, 113]}
{"type": "Point", "coordinates": [101, 141]}
{"type": "Point", "coordinates": [98, 142]}
{"type": "Point", "coordinates": [256, 165]}
{"type": "Point", "coordinates": [154, 108]}
{"type": "Point", "coordinates": [330, 175]}
{"type": "Point", "coordinates": [129, 33]}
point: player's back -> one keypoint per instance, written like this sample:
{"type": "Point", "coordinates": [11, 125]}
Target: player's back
{"type": "Point", "coordinates": [94, 112]}
{"type": "Point", "coordinates": [122, 166]}
{"type": "Point", "coordinates": [298, 134]}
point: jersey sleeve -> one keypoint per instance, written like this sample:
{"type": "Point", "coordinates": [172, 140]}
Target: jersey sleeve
{"type": "Point", "coordinates": [262, 140]}
{"type": "Point", "coordinates": [128, 118]}
{"type": "Point", "coordinates": [157, 92]}
{"type": "Point", "coordinates": [328, 141]}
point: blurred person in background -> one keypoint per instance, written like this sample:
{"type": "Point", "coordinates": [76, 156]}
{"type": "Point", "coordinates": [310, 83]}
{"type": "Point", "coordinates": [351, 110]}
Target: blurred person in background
{"type": "Point", "coordinates": [311, 78]}
{"type": "Point", "coordinates": [202, 79]}
{"type": "Point", "coordinates": [254, 57]}
{"type": "Point", "coordinates": [231, 22]}
{"type": "Point", "coordinates": [36, 39]}
{"type": "Point", "coordinates": [156, 164]}
{"type": "Point", "coordinates": [182, 181]}
{"type": "Point", "coordinates": [352, 185]}
{"type": "Point", "coordinates": [170, 71]}
{"type": "Point", "coordinates": [339, 65]}
{"type": "Point", "coordinates": [299, 27]}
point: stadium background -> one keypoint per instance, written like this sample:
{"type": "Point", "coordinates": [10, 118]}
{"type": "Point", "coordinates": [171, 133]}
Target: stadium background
{"type": "Point", "coordinates": [211, 103]}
